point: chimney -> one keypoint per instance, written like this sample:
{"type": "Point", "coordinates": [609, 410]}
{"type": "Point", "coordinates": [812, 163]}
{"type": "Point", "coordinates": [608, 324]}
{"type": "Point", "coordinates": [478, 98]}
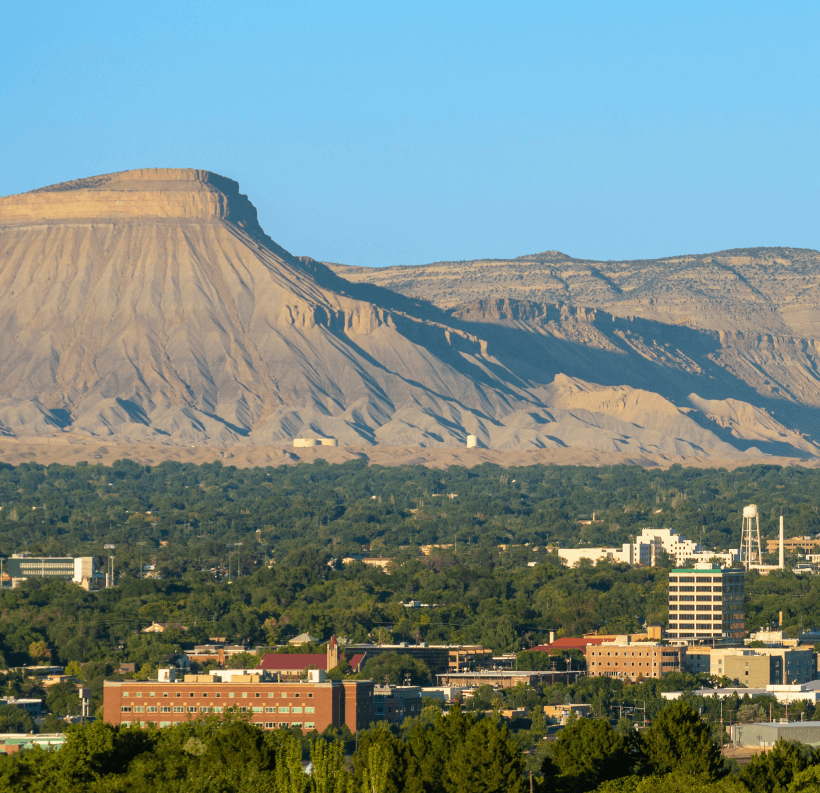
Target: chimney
{"type": "Point", "coordinates": [781, 560]}
{"type": "Point", "coordinates": [552, 636]}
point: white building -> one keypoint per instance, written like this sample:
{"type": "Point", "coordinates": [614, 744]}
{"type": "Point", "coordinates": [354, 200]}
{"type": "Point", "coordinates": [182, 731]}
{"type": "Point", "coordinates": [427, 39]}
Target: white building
{"type": "Point", "coordinates": [571, 556]}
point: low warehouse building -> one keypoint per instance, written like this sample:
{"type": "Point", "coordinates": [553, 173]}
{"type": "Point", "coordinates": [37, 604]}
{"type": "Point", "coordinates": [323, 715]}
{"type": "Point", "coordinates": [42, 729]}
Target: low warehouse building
{"type": "Point", "coordinates": [767, 734]}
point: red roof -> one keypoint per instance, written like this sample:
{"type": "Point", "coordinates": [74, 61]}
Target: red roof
{"type": "Point", "coordinates": [355, 661]}
{"type": "Point", "coordinates": [296, 662]}
{"type": "Point", "coordinates": [570, 643]}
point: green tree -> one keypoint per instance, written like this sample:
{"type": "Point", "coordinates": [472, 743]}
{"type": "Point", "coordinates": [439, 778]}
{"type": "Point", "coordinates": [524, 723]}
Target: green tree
{"type": "Point", "coordinates": [14, 719]}
{"type": "Point", "coordinates": [681, 741]}
{"type": "Point", "coordinates": [63, 699]}
{"type": "Point", "coordinates": [487, 761]}
{"type": "Point", "coordinates": [289, 775]}
{"type": "Point", "coordinates": [774, 771]}
{"type": "Point", "coordinates": [589, 752]}
{"type": "Point", "coordinates": [328, 774]}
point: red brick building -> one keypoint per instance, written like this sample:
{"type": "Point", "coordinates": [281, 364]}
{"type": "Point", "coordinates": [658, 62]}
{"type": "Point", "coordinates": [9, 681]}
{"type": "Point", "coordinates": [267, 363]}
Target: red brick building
{"type": "Point", "coordinates": [633, 661]}
{"type": "Point", "coordinates": [271, 705]}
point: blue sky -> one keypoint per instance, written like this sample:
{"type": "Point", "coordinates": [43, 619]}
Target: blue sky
{"type": "Point", "coordinates": [385, 133]}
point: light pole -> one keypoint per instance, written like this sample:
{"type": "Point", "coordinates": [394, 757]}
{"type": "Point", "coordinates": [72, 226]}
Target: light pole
{"type": "Point", "coordinates": [229, 562]}
{"type": "Point", "coordinates": [238, 560]}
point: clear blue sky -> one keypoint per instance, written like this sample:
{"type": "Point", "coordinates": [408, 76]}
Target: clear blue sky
{"type": "Point", "coordinates": [386, 133]}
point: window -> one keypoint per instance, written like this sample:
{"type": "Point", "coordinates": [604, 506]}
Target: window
{"type": "Point", "coordinates": [178, 694]}
{"type": "Point", "coordinates": [152, 709]}
{"type": "Point", "coordinates": [257, 695]}
{"type": "Point", "coordinates": [165, 709]}
{"type": "Point", "coordinates": [284, 710]}
{"type": "Point", "coordinates": [165, 694]}
{"type": "Point", "coordinates": [270, 710]}
{"type": "Point", "coordinates": [244, 695]}
{"type": "Point", "coordinates": [152, 694]}
{"type": "Point", "coordinates": [191, 695]}
{"type": "Point", "coordinates": [218, 695]}
{"type": "Point", "coordinates": [296, 695]}
{"type": "Point", "coordinates": [309, 725]}
{"type": "Point", "coordinates": [296, 724]}
{"type": "Point", "coordinates": [296, 710]}
{"type": "Point", "coordinates": [126, 694]}
{"type": "Point", "coordinates": [125, 709]}
{"type": "Point", "coordinates": [218, 710]}
{"type": "Point", "coordinates": [179, 709]}
{"type": "Point", "coordinates": [310, 696]}
{"type": "Point", "coordinates": [310, 710]}
{"type": "Point", "coordinates": [231, 695]}
{"type": "Point", "coordinates": [139, 709]}
{"type": "Point", "coordinates": [269, 725]}
{"type": "Point", "coordinates": [204, 693]}
{"type": "Point", "coordinates": [257, 710]}
{"type": "Point", "coordinates": [284, 695]}
{"type": "Point", "coordinates": [139, 693]}
{"type": "Point", "coordinates": [192, 709]}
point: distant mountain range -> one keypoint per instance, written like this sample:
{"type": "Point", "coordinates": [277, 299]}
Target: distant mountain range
{"type": "Point", "coordinates": [149, 307]}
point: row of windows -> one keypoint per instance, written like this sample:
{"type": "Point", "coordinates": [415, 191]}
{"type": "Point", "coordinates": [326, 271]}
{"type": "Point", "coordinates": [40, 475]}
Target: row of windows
{"type": "Point", "coordinates": [204, 694]}
{"type": "Point", "coordinates": [206, 709]}
{"type": "Point", "coordinates": [269, 725]}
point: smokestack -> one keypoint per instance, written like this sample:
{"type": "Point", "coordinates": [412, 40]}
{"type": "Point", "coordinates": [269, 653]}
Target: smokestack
{"type": "Point", "coordinates": [552, 636]}
{"type": "Point", "coordinates": [781, 560]}
{"type": "Point", "coordinates": [780, 619]}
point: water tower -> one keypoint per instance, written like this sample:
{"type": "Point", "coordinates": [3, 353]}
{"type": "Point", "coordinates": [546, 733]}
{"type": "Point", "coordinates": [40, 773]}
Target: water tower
{"type": "Point", "coordinates": [750, 553]}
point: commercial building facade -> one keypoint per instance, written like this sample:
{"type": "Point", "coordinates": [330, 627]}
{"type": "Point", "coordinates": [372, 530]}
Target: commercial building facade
{"type": "Point", "coordinates": [307, 705]}
{"type": "Point", "coordinates": [755, 667]}
{"type": "Point", "coordinates": [630, 661]}
{"type": "Point", "coordinates": [394, 704]}
{"type": "Point", "coordinates": [20, 566]}
{"type": "Point", "coordinates": [706, 605]}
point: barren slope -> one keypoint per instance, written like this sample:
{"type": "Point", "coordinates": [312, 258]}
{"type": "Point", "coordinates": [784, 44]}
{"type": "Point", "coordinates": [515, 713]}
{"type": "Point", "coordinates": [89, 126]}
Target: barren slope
{"type": "Point", "coordinates": [148, 307]}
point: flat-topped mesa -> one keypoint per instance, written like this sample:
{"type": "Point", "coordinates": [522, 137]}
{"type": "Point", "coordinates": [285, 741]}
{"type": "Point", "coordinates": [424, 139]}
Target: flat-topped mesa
{"type": "Point", "coordinates": [178, 193]}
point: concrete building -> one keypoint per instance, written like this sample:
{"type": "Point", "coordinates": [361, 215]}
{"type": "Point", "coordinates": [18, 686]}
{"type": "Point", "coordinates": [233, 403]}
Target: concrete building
{"type": "Point", "coordinates": [310, 705]}
{"type": "Point", "coordinates": [395, 703]}
{"type": "Point", "coordinates": [794, 545]}
{"type": "Point", "coordinates": [633, 661]}
{"type": "Point", "coordinates": [505, 678]}
{"type": "Point", "coordinates": [768, 734]}
{"type": "Point", "coordinates": [755, 667]}
{"type": "Point", "coordinates": [559, 714]}
{"type": "Point", "coordinates": [32, 706]}
{"type": "Point", "coordinates": [309, 443]}
{"type": "Point", "coordinates": [706, 605]}
{"type": "Point", "coordinates": [571, 556]}
{"type": "Point", "coordinates": [21, 566]}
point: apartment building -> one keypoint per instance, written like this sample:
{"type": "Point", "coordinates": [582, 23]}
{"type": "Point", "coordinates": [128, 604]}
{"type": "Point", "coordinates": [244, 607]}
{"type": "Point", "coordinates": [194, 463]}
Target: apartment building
{"type": "Point", "coordinates": [310, 705]}
{"type": "Point", "coordinates": [633, 661]}
{"type": "Point", "coordinates": [706, 605]}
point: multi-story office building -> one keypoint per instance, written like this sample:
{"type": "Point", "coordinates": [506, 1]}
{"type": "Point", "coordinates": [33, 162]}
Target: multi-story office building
{"type": "Point", "coordinates": [396, 703]}
{"type": "Point", "coordinates": [21, 566]}
{"type": "Point", "coordinates": [706, 605]}
{"type": "Point", "coordinates": [632, 661]}
{"type": "Point", "coordinates": [311, 705]}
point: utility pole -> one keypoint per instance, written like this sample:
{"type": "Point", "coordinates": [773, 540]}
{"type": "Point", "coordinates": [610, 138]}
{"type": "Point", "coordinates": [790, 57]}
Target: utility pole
{"type": "Point", "coordinates": [229, 563]}
{"type": "Point", "coordinates": [238, 560]}
{"type": "Point", "coordinates": [141, 567]}
{"type": "Point", "coordinates": [721, 725]}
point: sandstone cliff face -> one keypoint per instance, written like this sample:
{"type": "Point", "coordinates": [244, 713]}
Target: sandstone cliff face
{"type": "Point", "coordinates": [149, 307]}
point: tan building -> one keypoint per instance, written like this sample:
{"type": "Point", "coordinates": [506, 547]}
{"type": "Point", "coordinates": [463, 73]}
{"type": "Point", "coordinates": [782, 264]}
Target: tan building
{"type": "Point", "coordinates": [755, 667]}
{"type": "Point", "coordinates": [633, 661]}
{"type": "Point", "coordinates": [706, 605]}
{"type": "Point", "coordinates": [559, 714]}
{"type": "Point", "coordinates": [271, 705]}
{"type": "Point", "coordinates": [793, 544]}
